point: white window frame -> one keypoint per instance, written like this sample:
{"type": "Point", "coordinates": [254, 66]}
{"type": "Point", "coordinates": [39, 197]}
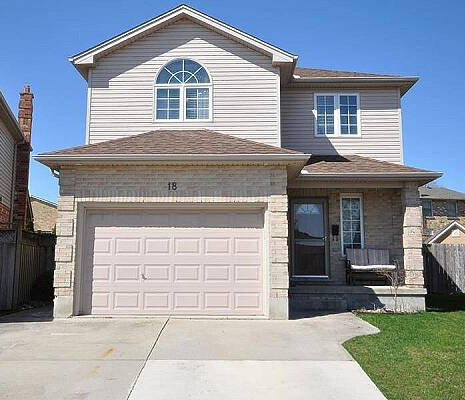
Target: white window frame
{"type": "Point", "coordinates": [182, 95]}
{"type": "Point", "coordinates": [337, 115]}
{"type": "Point", "coordinates": [341, 219]}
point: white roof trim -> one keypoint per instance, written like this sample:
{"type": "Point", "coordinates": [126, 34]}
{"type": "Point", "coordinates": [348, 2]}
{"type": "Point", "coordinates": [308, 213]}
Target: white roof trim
{"type": "Point", "coordinates": [377, 175]}
{"type": "Point", "coordinates": [131, 158]}
{"type": "Point", "coordinates": [445, 230]}
{"type": "Point", "coordinates": [86, 59]}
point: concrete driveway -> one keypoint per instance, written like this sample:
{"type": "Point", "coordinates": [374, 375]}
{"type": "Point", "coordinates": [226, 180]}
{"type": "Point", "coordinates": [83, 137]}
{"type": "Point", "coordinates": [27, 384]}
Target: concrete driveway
{"type": "Point", "coordinates": [138, 359]}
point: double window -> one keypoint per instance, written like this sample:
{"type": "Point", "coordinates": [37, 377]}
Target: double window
{"type": "Point", "coordinates": [183, 92]}
{"type": "Point", "coordinates": [337, 114]}
{"type": "Point", "coordinates": [448, 208]}
{"type": "Point", "coordinates": [351, 222]}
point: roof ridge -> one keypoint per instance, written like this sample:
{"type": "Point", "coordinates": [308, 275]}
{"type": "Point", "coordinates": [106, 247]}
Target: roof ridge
{"type": "Point", "coordinates": [176, 141]}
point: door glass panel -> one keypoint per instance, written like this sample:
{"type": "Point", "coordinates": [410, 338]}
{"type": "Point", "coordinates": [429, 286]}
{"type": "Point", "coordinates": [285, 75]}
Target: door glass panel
{"type": "Point", "coordinates": [309, 239]}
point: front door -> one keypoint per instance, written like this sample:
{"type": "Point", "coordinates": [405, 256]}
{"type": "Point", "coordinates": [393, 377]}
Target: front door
{"type": "Point", "coordinates": [309, 238]}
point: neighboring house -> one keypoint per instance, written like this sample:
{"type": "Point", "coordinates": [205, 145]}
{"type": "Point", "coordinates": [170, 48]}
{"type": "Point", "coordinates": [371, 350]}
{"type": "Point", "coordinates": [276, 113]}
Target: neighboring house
{"type": "Point", "coordinates": [220, 179]}
{"type": "Point", "coordinates": [441, 207]}
{"type": "Point", "coordinates": [454, 233]}
{"type": "Point", "coordinates": [45, 214]}
{"type": "Point", "coordinates": [15, 149]}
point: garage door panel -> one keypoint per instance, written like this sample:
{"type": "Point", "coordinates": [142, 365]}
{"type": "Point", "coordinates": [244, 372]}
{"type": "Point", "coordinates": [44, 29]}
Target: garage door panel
{"type": "Point", "coordinates": [195, 264]}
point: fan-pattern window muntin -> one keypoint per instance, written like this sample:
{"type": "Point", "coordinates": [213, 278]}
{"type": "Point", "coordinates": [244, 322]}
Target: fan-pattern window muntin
{"type": "Point", "coordinates": [183, 92]}
{"type": "Point", "coordinates": [351, 222]}
{"type": "Point", "coordinates": [337, 114]}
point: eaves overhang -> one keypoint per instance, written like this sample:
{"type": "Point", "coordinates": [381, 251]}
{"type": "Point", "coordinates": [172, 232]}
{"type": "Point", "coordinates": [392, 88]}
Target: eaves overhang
{"type": "Point", "coordinates": [404, 82]}
{"type": "Point", "coordinates": [55, 161]}
{"type": "Point", "coordinates": [8, 118]}
{"type": "Point", "coordinates": [420, 176]}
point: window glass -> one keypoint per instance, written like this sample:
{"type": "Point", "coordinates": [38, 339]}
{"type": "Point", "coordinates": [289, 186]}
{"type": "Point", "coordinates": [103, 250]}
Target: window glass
{"type": "Point", "coordinates": [351, 222]}
{"type": "Point", "coordinates": [168, 103]}
{"type": "Point", "coordinates": [451, 208]}
{"type": "Point", "coordinates": [183, 71]}
{"type": "Point", "coordinates": [427, 208]}
{"type": "Point", "coordinates": [325, 115]}
{"type": "Point", "coordinates": [197, 103]}
{"type": "Point", "coordinates": [348, 112]}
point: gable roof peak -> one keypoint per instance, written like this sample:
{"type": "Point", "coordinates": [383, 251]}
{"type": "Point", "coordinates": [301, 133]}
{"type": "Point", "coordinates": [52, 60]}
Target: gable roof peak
{"type": "Point", "coordinates": [86, 59]}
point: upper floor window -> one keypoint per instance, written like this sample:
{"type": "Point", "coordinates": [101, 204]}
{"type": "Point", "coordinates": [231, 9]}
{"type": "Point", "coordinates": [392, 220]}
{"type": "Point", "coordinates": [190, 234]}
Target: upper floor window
{"type": "Point", "coordinates": [183, 92]}
{"type": "Point", "coordinates": [451, 208]}
{"type": "Point", "coordinates": [337, 114]}
{"type": "Point", "coordinates": [427, 205]}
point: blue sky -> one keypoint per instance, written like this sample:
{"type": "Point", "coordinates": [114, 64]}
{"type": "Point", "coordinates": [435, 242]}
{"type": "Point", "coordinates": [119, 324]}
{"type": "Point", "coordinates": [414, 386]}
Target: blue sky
{"type": "Point", "coordinates": [424, 38]}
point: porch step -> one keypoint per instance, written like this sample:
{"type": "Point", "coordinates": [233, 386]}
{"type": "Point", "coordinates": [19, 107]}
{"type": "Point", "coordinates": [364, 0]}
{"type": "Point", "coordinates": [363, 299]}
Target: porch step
{"type": "Point", "coordinates": [317, 302]}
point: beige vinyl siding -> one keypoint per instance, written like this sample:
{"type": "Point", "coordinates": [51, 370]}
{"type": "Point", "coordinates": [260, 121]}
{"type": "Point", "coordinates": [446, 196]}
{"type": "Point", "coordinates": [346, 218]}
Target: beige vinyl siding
{"type": "Point", "coordinates": [245, 85]}
{"type": "Point", "coordinates": [7, 157]}
{"type": "Point", "coordinates": [380, 121]}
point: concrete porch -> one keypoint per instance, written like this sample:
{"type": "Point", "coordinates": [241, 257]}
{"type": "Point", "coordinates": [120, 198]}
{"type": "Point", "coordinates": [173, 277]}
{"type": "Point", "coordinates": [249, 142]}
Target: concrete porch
{"type": "Point", "coordinates": [390, 217]}
{"type": "Point", "coordinates": [311, 298]}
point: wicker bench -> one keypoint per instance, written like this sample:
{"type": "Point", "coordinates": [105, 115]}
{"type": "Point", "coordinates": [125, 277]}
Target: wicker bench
{"type": "Point", "coordinates": [359, 261]}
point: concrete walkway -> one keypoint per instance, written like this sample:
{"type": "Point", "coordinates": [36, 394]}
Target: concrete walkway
{"type": "Point", "coordinates": [137, 358]}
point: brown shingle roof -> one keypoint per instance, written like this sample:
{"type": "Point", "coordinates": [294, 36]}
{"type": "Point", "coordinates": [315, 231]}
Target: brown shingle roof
{"type": "Point", "coordinates": [352, 165]}
{"type": "Point", "coordinates": [328, 73]}
{"type": "Point", "coordinates": [174, 142]}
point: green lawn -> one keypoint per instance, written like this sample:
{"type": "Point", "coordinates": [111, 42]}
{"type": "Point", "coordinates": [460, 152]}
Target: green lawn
{"type": "Point", "coordinates": [416, 356]}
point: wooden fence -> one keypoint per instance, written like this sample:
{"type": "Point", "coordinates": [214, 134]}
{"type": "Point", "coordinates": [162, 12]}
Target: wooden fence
{"type": "Point", "coordinates": [23, 257]}
{"type": "Point", "coordinates": [444, 268]}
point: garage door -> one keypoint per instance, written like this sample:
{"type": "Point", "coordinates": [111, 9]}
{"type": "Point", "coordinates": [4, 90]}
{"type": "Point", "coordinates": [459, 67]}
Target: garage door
{"type": "Point", "coordinates": [184, 263]}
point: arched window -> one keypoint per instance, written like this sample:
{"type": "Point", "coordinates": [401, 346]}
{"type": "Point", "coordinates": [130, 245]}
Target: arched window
{"type": "Point", "coordinates": [183, 92]}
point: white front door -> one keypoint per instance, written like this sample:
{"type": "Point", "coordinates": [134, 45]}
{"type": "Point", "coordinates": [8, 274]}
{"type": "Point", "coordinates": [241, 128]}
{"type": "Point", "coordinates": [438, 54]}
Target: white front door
{"type": "Point", "coordinates": [175, 262]}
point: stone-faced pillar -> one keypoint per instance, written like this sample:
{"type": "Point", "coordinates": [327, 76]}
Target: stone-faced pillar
{"type": "Point", "coordinates": [412, 235]}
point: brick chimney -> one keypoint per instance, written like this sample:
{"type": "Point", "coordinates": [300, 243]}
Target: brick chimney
{"type": "Point", "coordinates": [23, 153]}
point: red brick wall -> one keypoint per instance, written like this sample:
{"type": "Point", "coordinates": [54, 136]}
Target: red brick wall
{"type": "Point", "coordinates": [23, 153]}
{"type": "Point", "coordinates": [4, 215]}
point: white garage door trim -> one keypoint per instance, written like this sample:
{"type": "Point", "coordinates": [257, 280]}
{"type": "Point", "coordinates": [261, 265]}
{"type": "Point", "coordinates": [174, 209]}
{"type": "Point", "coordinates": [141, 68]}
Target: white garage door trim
{"type": "Point", "coordinates": [86, 213]}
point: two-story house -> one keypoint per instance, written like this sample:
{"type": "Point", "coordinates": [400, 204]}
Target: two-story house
{"type": "Point", "coordinates": [220, 179]}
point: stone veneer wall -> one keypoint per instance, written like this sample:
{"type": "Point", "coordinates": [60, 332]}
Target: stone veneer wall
{"type": "Point", "coordinates": [195, 184]}
{"type": "Point", "coordinates": [412, 236]}
{"type": "Point", "coordinates": [382, 215]}
{"type": "Point", "coordinates": [433, 225]}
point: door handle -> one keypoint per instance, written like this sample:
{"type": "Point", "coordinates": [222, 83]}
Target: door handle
{"type": "Point", "coordinates": [143, 277]}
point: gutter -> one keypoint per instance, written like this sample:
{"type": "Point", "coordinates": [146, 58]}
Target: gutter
{"type": "Point", "coordinates": [50, 159]}
{"type": "Point", "coordinates": [357, 79]}
{"type": "Point", "coordinates": [371, 175]}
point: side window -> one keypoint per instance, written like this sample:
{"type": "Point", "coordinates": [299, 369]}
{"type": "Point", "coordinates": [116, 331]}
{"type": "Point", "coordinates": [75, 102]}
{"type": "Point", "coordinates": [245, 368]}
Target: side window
{"type": "Point", "coordinates": [351, 222]}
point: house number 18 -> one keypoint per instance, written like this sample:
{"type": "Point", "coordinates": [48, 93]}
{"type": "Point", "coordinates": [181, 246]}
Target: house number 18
{"type": "Point", "coordinates": [172, 186]}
